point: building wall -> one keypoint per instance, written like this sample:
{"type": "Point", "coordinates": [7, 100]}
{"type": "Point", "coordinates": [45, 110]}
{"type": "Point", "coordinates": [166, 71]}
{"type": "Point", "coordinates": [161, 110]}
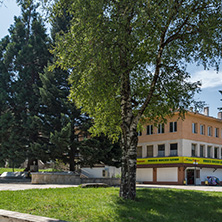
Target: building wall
{"type": "Point", "coordinates": [205, 172]}
{"type": "Point", "coordinates": [187, 144]}
{"type": "Point", "coordinates": [184, 148]}
{"type": "Point", "coordinates": [184, 137]}
{"type": "Point", "coordinates": [98, 172]}
{"type": "Point", "coordinates": [184, 129]}
{"type": "Point", "coordinates": [201, 120]}
{"type": "Point", "coordinates": [167, 135]}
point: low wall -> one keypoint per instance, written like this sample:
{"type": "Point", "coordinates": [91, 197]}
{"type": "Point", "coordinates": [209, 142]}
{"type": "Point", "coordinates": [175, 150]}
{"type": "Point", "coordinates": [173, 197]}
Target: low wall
{"type": "Point", "coordinates": [55, 178]}
{"type": "Point", "coordinates": [12, 216]}
{"type": "Point", "coordinates": [69, 178]}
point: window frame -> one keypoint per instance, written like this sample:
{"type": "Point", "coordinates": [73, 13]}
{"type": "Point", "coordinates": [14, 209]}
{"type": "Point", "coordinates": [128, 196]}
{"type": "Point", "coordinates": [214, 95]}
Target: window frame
{"type": "Point", "coordinates": [141, 151]}
{"type": "Point", "coordinates": [209, 151]}
{"type": "Point", "coordinates": [216, 151]}
{"type": "Point", "coordinates": [209, 130]}
{"type": "Point", "coordinates": [201, 146]}
{"type": "Point", "coordinates": [194, 127]}
{"type": "Point", "coordinates": [164, 150]}
{"type": "Point", "coordinates": [173, 127]}
{"type": "Point", "coordinates": [202, 129]}
{"type": "Point", "coordinates": [172, 154]}
{"type": "Point", "coordinates": [216, 132]}
{"type": "Point", "coordinates": [161, 128]}
{"type": "Point", "coordinates": [149, 130]}
{"type": "Point", "coordinates": [194, 151]}
{"type": "Point", "coordinates": [149, 146]}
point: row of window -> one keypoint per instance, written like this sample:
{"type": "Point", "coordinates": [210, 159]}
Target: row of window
{"type": "Point", "coordinates": [160, 128]}
{"type": "Point", "coordinates": [202, 130]}
{"type": "Point", "coordinates": [173, 128]}
{"type": "Point", "coordinates": [210, 152]}
{"type": "Point", "coordinates": [161, 150]}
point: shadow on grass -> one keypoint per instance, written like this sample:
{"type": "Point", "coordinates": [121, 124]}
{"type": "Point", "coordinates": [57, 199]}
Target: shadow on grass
{"type": "Point", "coordinates": [170, 205]}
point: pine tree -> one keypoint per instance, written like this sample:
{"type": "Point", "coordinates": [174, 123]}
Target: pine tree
{"type": "Point", "coordinates": [100, 149]}
{"type": "Point", "coordinates": [61, 120]}
{"type": "Point", "coordinates": [26, 54]}
{"type": "Point", "coordinates": [63, 123]}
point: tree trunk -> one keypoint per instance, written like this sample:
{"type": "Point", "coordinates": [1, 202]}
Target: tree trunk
{"type": "Point", "coordinates": [72, 160]}
{"type": "Point", "coordinates": [128, 170]}
{"type": "Point", "coordinates": [30, 162]}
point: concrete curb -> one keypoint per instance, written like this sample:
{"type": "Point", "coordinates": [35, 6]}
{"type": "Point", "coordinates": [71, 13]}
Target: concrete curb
{"type": "Point", "coordinates": [12, 216]}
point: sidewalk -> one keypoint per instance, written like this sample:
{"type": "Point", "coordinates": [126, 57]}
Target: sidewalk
{"type": "Point", "coordinates": [16, 184]}
{"type": "Point", "coordinates": [25, 184]}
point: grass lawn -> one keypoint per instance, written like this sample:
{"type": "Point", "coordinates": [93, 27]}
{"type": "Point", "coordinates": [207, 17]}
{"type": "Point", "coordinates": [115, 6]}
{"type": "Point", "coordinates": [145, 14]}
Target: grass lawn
{"type": "Point", "coordinates": [2, 170]}
{"type": "Point", "coordinates": [103, 204]}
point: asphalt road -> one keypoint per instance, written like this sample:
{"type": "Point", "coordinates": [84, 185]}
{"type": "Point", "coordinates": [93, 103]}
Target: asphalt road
{"type": "Point", "coordinates": [25, 186]}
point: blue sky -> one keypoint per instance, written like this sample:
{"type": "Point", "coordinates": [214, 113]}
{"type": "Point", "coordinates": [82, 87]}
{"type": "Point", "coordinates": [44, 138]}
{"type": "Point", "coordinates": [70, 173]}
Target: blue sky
{"type": "Point", "coordinates": [211, 80]}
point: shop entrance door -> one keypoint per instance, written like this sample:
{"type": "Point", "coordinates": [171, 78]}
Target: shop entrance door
{"type": "Point", "coordinates": [190, 177]}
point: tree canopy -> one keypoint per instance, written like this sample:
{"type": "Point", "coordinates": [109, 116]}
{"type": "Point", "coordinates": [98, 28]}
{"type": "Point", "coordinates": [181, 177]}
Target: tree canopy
{"type": "Point", "coordinates": [127, 61]}
{"type": "Point", "coordinates": [37, 121]}
{"type": "Point", "coordinates": [24, 53]}
{"type": "Point", "coordinates": [151, 41]}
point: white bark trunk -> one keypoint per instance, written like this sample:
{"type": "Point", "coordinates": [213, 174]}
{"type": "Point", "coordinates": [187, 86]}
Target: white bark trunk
{"type": "Point", "coordinates": [128, 170]}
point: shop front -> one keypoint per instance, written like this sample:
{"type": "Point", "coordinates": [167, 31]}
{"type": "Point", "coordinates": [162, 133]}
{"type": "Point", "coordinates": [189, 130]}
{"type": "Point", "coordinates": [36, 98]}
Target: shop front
{"type": "Point", "coordinates": [177, 170]}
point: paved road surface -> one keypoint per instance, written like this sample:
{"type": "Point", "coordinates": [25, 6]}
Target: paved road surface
{"type": "Point", "coordinates": [20, 186]}
{"type": "Point", "coordinates": [27, 185]}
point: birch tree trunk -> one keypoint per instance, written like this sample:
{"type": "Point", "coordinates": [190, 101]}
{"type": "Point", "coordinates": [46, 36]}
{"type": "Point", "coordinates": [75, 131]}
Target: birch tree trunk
{"type": "Point", "coordinates": [129, 140]}
{"type": "Point", "coordinates": [129, 157]}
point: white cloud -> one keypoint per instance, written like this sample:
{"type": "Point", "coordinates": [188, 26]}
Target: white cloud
{"type": "Point", "coordinates": [208, 78]}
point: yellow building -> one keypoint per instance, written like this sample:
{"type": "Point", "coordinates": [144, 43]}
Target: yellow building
{"type": "Point", "coordinates": [181, 151]}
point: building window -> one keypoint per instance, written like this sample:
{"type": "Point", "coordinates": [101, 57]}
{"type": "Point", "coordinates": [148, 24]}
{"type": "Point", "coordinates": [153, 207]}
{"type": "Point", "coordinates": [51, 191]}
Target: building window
{"type": "Point", "coordinates": [173, 127]}
{"type": "Point", "coordinates": [209, 130]}
{"type": "Point", "coordinates": [193, 149]}
{"type": "Point", "coordinates": [139, 133]}
{"type": "Point", "coordinates": [149, 130]}
{"type": "Point", "coordinates": [173, 149]}
{"type": "Point", "coordinates": [149, 151]}
{"type": "Point", "coordinates": [202, 129]}
{"type": "Point", "coordinates": [216, 149]}
{"type": "Point", "coordinates": [161, 150]}
{"type": "Point", "coordinates": [198, 174]}
{"type": "Point", "coordinates": [201, 151]}
{"type": "Point", "coordinates": [216, 132]}
{"type": "Point", "coordinates": [194, 127]}
{"type": "Point", "coordinates": [209, 151]}
{"type": "Point", "coordinates": [161, 128]}
{"type": "Point", "coordinates": [139, 152]}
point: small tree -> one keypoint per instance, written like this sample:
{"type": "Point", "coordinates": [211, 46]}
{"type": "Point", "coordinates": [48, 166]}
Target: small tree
{"type": "Point", "coordinates": [127, 61]}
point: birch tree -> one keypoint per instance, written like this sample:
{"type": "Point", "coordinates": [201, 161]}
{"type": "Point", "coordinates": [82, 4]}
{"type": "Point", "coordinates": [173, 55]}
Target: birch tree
{"type": "Point", "coordinates": [127, 61]}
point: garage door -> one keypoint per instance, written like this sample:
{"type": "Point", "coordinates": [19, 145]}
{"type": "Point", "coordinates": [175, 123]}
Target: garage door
{"type": "Point", "coordinates": [144, 175]}
{"type": "Point", "coordinates": [167, 174]}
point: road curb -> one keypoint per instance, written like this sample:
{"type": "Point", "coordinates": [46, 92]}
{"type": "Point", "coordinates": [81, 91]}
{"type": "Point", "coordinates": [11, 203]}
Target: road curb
{"type": "Point", "coordinates": [12, 216]}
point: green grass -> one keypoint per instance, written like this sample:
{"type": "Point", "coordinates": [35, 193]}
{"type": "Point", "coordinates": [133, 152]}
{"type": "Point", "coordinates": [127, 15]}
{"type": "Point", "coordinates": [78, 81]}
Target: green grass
{"type": "Point", "coordinates": [104, 205]}
{"type": "Point", "coordinates": [2, 170]}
